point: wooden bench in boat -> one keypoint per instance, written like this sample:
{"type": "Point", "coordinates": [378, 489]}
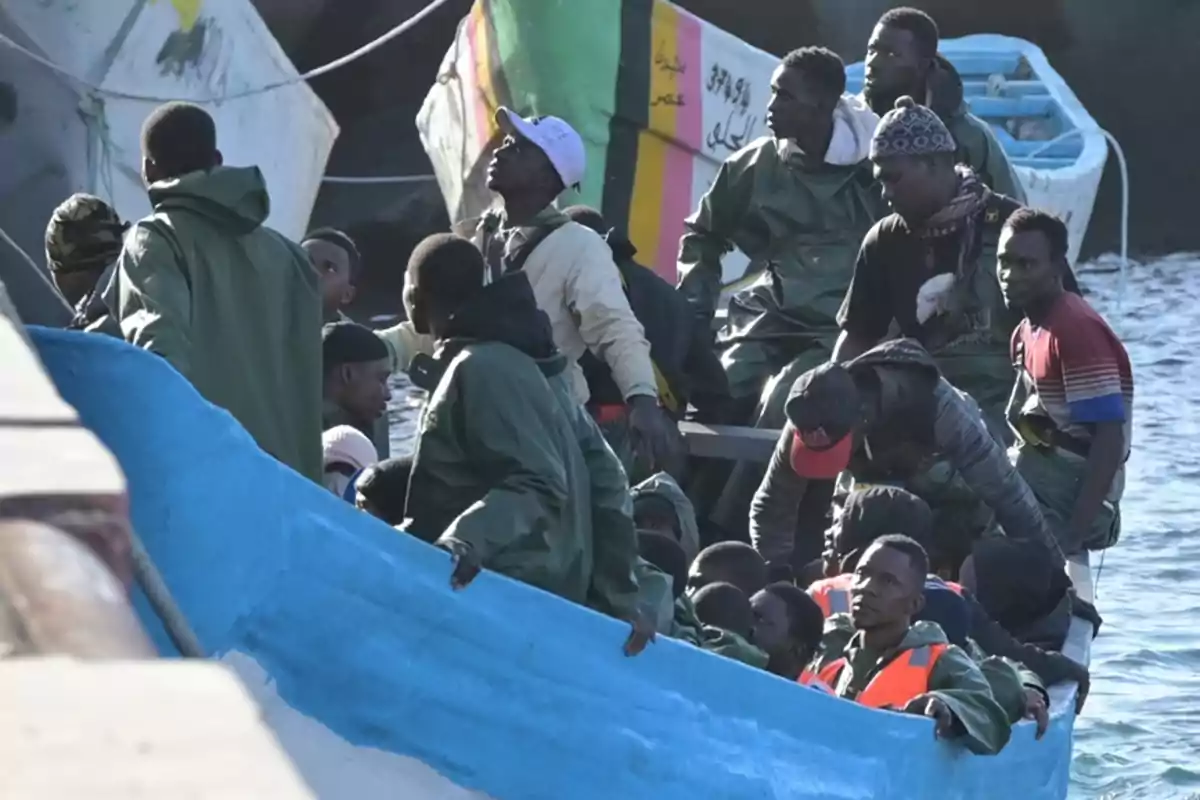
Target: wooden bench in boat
{"type": "Point", "coordinates": [731, 442]}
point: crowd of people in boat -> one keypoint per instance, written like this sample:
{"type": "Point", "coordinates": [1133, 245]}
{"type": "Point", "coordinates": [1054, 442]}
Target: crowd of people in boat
{"type": "Point", "coordinates": [952, 416]}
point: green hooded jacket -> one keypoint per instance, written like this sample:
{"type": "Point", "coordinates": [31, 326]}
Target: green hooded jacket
{"type": "Point", "coordinates": [507, 462]}
{"type": "Point", "coordinates": [978, 146]}
{"type": "Point", "coordinates": [231, 304]}
{"type": "Point", "coordinates": [656, 596]}
{"type": "Point", "coordinates": [806, 224]}
{"type": "Point", "coordinates": [956, 679]}
{"type": "Point", "coordinates": [664, 486]}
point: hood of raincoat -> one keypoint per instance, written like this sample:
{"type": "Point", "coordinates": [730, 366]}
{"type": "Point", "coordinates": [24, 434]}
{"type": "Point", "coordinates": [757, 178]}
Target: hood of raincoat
{"type": "Point", "coordinates": [664, 486]}
{"type": "Point", "coordinates": [232, 198]}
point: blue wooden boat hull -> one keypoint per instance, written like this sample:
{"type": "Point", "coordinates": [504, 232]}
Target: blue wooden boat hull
{"type": "Point", "coordinates": [382, 682]}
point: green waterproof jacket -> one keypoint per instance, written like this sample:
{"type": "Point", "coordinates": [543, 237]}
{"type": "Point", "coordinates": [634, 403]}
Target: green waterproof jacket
{"type": "Point", "coordinates": [664, 486]}
{"type": "Point", "coordinates": [978, 146]}
{"type": "Point", "coordinates": [687, 627]}
{"type": "Point", "coordinates": [231, 304]}
{"type": "Point", "coordinates": [956, 679]}
{"type": "Point", "coordinates": [655, 595]}
{"type": "Point", "coordinates": [804, 225]}
{"type": "Point", "coordinates": [507, 462]}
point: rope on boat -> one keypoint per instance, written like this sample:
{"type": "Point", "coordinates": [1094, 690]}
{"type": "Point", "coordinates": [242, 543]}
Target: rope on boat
{"type": "Point", "coordinates": [164, 605]}
{"type": "Point", "coordinates": [1123, 166]}
{"type": "Point", "coordinates": [367, 48]}
{"type": "Point", "coordinates": [379, 179]}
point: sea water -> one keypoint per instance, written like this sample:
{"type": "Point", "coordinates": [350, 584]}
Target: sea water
{"type": "Point", "coordinates": [1139, 736]}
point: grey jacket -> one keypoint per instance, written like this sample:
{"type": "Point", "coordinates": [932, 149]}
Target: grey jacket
{"type": "Point", "coordinates": [960, 436]}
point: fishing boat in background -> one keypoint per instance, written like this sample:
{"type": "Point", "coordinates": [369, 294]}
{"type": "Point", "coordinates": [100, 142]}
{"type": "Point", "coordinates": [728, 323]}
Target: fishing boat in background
{"type": "Point", "coordinates": [662, 98]}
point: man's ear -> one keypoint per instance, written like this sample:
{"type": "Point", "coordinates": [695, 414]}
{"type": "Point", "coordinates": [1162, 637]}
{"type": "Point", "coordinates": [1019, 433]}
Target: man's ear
{"type": "Point", "coordinates": [918, 604]}
{"type": "Point", "coordinates": [349, 294]}
{"type": "Point", "coordinates": [218, 159]}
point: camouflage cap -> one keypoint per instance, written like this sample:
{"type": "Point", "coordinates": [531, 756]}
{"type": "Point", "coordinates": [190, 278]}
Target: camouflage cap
{"type": "Point", "coordinates": [84, 233]}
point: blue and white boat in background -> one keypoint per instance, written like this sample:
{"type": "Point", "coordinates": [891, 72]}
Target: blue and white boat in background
{"type": "Point", "coordinates": [1057, 150]}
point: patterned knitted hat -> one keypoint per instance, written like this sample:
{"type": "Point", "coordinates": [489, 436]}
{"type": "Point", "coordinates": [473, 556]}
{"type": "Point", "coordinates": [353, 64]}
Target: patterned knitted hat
{"type": "Point", "coordinates": [910, 130]}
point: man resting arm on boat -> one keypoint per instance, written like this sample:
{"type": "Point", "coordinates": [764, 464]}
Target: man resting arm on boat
{"type": "Point", "coordinates": [502, 476]}
{"type": "Point", "coordinates": [892, 663]}
{"type": "Point", "coordinates": [882, 417]}
{"type": "Point", "coordinates": [230, 303]}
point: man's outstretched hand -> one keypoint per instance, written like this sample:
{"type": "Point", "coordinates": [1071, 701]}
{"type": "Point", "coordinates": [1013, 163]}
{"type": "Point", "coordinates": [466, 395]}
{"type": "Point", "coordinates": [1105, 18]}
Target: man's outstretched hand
{"type": "Point", "coordinates": [642, 634]}
{"type": "Point", "coordinates": [929, 705]}
{"type": "Point", "coordinates": [464, 561]}
{"type": "Point", "coordinates": [1035, 709]}
{"type": "Point", "coordinates": [649, 432]}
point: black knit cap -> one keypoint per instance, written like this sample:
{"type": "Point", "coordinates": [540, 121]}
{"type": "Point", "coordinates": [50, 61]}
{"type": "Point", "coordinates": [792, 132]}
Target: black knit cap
{"type": "Point", "coordinates": [350, 343]}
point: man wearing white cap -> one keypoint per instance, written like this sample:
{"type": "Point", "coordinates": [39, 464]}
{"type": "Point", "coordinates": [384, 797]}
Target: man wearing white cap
{"type": "Point", "coordinates": [571, 270]}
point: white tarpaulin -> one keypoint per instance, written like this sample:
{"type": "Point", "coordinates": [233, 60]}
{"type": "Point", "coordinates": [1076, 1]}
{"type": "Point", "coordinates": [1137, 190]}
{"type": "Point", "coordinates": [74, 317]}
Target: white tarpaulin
{"type": "Point", "coordinates": [81, 133]}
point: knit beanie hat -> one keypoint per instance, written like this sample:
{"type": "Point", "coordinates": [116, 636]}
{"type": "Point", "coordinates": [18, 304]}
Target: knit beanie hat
{"type": "Point", "coordinates": [910, 130]}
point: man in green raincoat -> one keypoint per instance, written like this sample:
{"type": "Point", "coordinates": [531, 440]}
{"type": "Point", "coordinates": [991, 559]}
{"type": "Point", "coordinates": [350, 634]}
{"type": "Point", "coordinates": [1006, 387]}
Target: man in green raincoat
{"type": "Point", "coordinates": [510, 473]}
{"type": "Point", "coordinates": [797, 203]}
{"type": "Point", "coordinates": [891, 662]}
{"type": "Point", "coordinates": [231, 304]}
{"type": "Point", "coordinates": [902, 60]}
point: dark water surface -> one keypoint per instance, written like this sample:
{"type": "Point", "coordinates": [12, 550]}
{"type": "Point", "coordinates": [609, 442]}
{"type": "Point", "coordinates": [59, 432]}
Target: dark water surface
{"type": "Point", "coordinates": [1139, 736]}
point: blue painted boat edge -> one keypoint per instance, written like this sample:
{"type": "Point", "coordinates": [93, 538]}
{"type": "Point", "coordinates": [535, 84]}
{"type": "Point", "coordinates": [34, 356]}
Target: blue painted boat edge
{"type": "Point", "coordinates": [501, 687]}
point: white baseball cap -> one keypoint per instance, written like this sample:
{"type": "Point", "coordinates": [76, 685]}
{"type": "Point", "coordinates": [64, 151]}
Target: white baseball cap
{"type": "Point", "coordinates": [554, 137]}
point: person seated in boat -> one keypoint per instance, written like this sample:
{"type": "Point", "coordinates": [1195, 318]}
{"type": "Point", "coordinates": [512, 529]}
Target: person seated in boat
{"type": "Point", "coordinates": [727, 624]}
{"type": "Point", "coordinates": [662, 577]}
{"type": "Point", "coordinates": [356, 391]}
{"type": "Point", "coordinates": [902, 60]}
{"type": "Point", "coordinates": [689, 372]}
{"type": "Point", "coordinates": [232, 305]}
{"type": "Point", "coordinates": [571, 270]}
{"type": "Point", "coordinates": [881, 418]}
{"type": "Point", "coordinates": [723, 605]}
{"type": "Point", "coordinates": [83, 241]}
{"type": "Point", "coordinates": [347, 453]}
{"type": "Point", "coordinates": [509, 472]}
{"type": "Point", "coordinates": [382, 489]}
{"type": "Point", "coordinates": [338, 263]}
{"type": "Point", "coordinates": [728, 562]}
{"type": "Point", "coordinates": [788, 626]}
{"type": "Point", "coordinates": [1072, 406]}
{"type": "Point", "coordinates": [1016, 587]}
{"type": "Point", "coordinates": [926, 268]}
{"type": "Point", "coordinates": [660, 505]}
{"type": "Point", "coordinates": [894, 662]}
{"type": "Point", "coordinates": [871, 513]}
{"type": "Point", "coordinates": [797, 203]}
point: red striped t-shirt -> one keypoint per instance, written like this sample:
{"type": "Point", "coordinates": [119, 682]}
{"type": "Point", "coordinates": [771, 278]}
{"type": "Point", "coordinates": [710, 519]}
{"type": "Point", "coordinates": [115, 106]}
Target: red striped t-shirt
{"type": "Point", "coordinates": [1079, 370]}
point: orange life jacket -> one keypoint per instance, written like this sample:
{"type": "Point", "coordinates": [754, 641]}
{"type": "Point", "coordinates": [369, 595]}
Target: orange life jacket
{"type": "Point", "coordinates": [905, 677]}
{"type": "Point", "coordinates": [813, 679]}
{"type": "Point", "coordinates": [832, 594]}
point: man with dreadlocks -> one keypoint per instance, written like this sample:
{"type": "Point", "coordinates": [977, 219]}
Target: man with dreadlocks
{"type": "Point", "coordinates": [83, 240]}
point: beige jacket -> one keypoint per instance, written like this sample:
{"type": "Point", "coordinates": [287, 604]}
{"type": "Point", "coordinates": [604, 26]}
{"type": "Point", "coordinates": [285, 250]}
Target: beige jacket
{"type": "Point", "coordinates": [579, 287]}
{"type": "Point", "coordinates": [404, 342]}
